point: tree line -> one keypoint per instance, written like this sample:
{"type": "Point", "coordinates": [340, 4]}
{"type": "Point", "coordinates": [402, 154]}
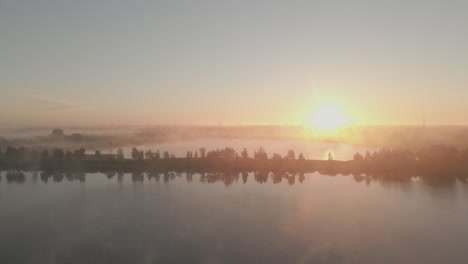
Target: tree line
{"type": "Point", "coordinates": [434, 161]}
{"type": "Point", "coordinates": [22, 153]}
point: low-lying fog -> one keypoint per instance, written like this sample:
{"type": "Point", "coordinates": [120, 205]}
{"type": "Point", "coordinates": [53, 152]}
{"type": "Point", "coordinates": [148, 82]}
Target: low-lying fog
{"type": "Point", "coordinates": [343, 143]}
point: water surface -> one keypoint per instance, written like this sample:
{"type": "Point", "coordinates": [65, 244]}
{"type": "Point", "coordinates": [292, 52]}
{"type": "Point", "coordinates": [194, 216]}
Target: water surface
{"type": "Point", "coordinates": [185, 218]}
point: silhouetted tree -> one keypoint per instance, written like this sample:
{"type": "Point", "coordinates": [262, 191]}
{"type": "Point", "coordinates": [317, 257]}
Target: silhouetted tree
{"type": "Point", "coordinates": [57, 154]}
{"type": "Point", "coordinates": [301, 157]}
{"type": "Point", "coordinates": [97, 153]}
{"type": "Point", "coordinates": [368, 156]}
{"type": "Point", "coordinates": [330, 156]}
{"type": "Point", "coordinates": [226, 153]}
{"type": "Point", "coordinates": [137, 154]}
{"type": "Point", "coordinates": [358, 157]}
{"type": "Point", "coordinates": [68, 155]}
{"type": "Point", "coordinates": [34, 155]}
{"type": "Point", "coordinates": [260, 154]}
{"type": "Point", "coordinates": [149, 155]}
{"type": "Point", "coordinates": [79, 154]}
{"type": "Point", "coordinates": [276, 156]}
{"type": "Point", "coordinates": [21, 153]}
{"type": "Point", "coordinates": [120, 154]}
{"type": "Point", "coordinates": [76, 137]}
{"type": "Point", "coordinates": [11, 153]}
{"type": "Point", "coordinates": [134, 153]}
{"type": "Point", "coordinates": [202, 153]}
{"type": "Point", "coordinates": [244, 153]}
{"type": "Point", "coordinates": [45, 154]}
{"type": "Point", "coordinates": [166, 155]}
{"type": "Point", "coordinates": [57, 133]}
{"type": "Point", "coordinates": [291, 155]}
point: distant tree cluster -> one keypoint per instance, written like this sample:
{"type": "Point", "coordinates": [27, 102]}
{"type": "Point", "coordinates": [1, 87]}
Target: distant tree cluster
{"type": "Point", "coordinates": [437, 156]}
{"type": "Point", "coordinates": [226, 153]}
{"type": "Point", "coordinates": [427, 154]}
{"type": "Point", "coordinates": [25, 154]}
{"type": "Point", "coordinates": [432, 160]}
{"type": "Point", "coordinates": [260, 154]}
{"type": "Point", "coordinates": [137, 154]}
{"type": "Point", "coordinates": [144, 155]}
{"type": "Point", "coordinates": [431, 154]}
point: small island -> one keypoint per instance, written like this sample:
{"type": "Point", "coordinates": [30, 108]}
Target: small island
{"type": "Point", "coordinates": [438, 162]}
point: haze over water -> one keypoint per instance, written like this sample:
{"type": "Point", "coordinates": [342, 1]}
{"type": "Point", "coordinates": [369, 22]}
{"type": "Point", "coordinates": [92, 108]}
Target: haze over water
{"type": "Point", "coordinates": [322, 219]}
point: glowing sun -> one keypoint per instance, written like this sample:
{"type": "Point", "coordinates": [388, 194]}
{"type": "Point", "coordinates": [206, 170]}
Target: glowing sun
{"type": "Point", "coordinates": [328, 117]}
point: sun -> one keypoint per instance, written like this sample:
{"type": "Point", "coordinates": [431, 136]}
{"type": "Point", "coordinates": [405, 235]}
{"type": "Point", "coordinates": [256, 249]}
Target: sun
{"type": "Point", "coordinates": [328, 117]}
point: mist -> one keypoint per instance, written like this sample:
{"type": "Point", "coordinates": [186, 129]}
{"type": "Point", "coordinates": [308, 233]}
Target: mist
{"type": "Point", "coordinates": [108, 138]}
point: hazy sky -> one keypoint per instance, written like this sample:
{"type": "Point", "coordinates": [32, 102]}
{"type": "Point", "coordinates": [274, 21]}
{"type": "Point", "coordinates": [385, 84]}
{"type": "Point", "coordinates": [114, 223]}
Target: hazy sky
{"type": "Point", "coordinates": [105, 62]}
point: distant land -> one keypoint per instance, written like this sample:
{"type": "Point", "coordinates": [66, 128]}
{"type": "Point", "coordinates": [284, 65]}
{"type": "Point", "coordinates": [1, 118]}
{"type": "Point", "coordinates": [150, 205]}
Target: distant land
{"type": "Point", "coordinates": [412, 137]}
{"type": "Point", "coordinates": [429, 163]}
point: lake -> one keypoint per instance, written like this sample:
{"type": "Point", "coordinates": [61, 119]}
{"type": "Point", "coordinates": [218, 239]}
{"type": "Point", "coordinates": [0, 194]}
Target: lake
{"type": "Point", "coordinates": [180, 218]}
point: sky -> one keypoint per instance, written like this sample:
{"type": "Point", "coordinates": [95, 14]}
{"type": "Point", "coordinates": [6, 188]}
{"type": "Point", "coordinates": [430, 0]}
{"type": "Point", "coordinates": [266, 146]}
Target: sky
{"type": "Point", "coordinates": [103, 62]}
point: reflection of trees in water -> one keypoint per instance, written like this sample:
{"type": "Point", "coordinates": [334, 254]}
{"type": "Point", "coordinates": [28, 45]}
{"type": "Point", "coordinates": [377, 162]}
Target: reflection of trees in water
{"type": "Point", "coordinates": [435, 165]}
{"type": "Point", "coordinates": [245, 176]}
{"type": "Point", "coordinates": [35, 175]}
{"type": "Point", "coordinates": [15, 177]}
{"type": "Point", "coordinates": [301, 177]}
{"type": "Point", "coordinates": [277, 178]}
{"type": "Point", "coordinates": [153, 175]}
{"type": "Point", "coordinates": [120, 176]}
{"type": "Point", "coordinates": [69, 176]}
{"type": "Point", "coordinates": [228, 177]}
{"type": "Point", "coordinates": [58, 176]}
{"type": "Point", "coordinates": [110, 174]}
{"type": "Point", "coordinates": [291, 179]}
{"type": "Point", "coordinates": [362, 178]}
{"type": "Point", "coordinates": [137, 176]}
{"type": "Point", "coordinates": [358, 177]}
{"type": "Point", "coordinates": [189, 177]}
{"type": "Point", "coordinates": [261, 176]}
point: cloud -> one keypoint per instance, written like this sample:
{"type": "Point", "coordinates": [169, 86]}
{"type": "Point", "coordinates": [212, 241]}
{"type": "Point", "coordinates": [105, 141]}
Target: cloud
{"type": "Point", "coordinates": [51, 103]}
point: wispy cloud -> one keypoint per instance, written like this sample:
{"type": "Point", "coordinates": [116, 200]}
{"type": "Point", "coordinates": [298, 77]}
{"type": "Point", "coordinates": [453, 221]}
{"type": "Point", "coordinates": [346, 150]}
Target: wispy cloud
{"type": "Point", "coordinates": [52, 103]}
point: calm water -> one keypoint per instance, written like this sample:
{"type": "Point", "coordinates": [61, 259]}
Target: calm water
{"type": "Point", "coordinates": [313, 219]}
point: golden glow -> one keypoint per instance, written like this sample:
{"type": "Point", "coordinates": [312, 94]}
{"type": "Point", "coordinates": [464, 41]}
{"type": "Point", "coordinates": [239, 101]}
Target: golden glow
{"type": "Point", "coordinates": [328, 117]}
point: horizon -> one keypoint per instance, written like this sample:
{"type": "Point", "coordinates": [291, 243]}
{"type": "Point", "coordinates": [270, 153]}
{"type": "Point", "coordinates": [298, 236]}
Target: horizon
{"type": "Point", "coordinates": [136, 126]}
